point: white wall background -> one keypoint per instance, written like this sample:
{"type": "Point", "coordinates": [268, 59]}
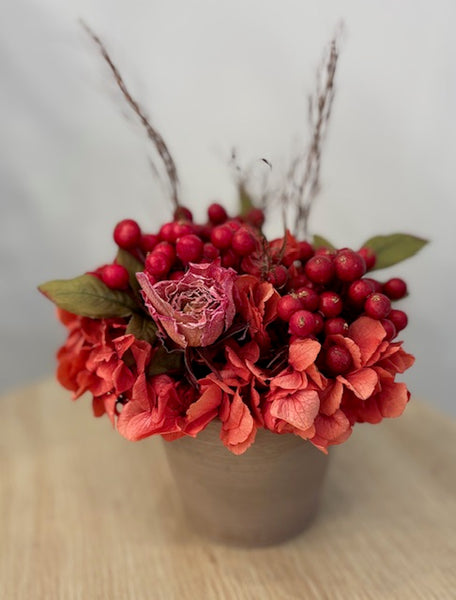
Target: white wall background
{"type": "Point", "coordinates": [215, 74]}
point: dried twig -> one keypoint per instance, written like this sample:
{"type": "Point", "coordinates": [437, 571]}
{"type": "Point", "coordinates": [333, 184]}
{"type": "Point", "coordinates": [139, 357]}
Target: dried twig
{"type": "Point", "coordinates": [305, 188]}
{"type": "Point", "coordinates": [152, 133]}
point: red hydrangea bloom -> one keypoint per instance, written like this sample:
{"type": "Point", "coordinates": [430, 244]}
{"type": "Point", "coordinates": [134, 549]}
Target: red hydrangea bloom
{"type": "Point", "coordinates": [256, 303]}
{"type": "Point", "coordinates": [92, 360]}
{"type": "Point", "coordinates": [156, 405]}
{"type": "Point", "coordinates": [330, 430]}
{"type": "Point", "coordinates": [231, 395]}
{"type": "Point", "coordinates": [375, 364]}
{"type": "Point", "coordinates": [293, 401]}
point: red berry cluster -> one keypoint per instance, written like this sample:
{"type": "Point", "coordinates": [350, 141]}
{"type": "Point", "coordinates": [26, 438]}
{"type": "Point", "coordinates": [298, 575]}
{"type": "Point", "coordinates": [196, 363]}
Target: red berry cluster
{"type": "Point", "coordinates": [322, 290]}
{"type": "Point", "coordinates": [167, 253]}
{"type": "Point", "coordinates": [336, 293]}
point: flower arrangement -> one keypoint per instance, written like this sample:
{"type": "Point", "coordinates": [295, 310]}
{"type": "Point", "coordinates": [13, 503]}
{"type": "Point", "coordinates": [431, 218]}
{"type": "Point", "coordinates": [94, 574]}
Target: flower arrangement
{"type": "Point", "coordinates": [199, 322]}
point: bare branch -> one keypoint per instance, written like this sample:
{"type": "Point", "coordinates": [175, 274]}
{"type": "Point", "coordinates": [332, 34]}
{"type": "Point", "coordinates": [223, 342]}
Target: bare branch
{"type": "Point", "coordinates": [151, 132]}
{"type": "Point", "coordinates": [304, 188]}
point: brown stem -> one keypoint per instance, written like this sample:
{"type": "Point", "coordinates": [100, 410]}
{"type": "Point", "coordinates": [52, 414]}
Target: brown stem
{"type": "Point", "coordinates": [304, 191]}
{"type": "Point", "coordinates": [152, 133]}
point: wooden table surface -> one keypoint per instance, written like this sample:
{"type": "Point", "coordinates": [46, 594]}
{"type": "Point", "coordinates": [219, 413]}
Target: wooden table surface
{"type": "Point", "coordinates": [86, 515]}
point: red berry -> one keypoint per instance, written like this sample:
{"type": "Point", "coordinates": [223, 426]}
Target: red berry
{"type": "Point", "coordinates": [234, 224]}
{"type": "Point", "coordinates": [127, 234]}
{"type": "Point", "coordinates": [168, 250]}
{"type": "Point", "coordinates": [338, 360]}
{"type": "Point", "coordinates": [278, 276]}
{"type": "Point", "coordinates": [399, 319]}
{"type": "Point", "coordinates": [210, 251]}
{"type": "Point", "coordinates": [287, 305]}
{"type": "Point", "coordinates": [349, 265]}
{"type": "Point", "coordinates": [320, 269]}
{"type": "Point", "coordinates": [167, 232]}
{"type": "Point", "coordinates": [157, 264]}
{"type": "Point", "coordinates": [148, 242]}
{"type": "Point", "coordinates": [221, 236]}
{"type": "Point", "coordinates": [309, 298]}
{"type": "Point", "coordinates": [377, 306]}
{"type": "Point", "coordinates": [297, 280]}
{"type": "Point", "coordinates": [302, 323]}
{"type": "Point", "coordinates": [330, 304]}
{"type": "Point", "coordinates": [369, 257]}
{"type": "Point", "coordinates": [255, 217]}
{"type": "Point", "coordinates": [395, 288]}
{"type": "Point", "coordinates": [336, 326]}
{"type": "Point", "coordinates": [217, 214]}
{"type": "Point", "coordinates": [376, 285]}
{"type": "Point", "coordinates": [229, 258]}
{"type": "Point", "coordinates": [181, 229]}
{"type": "Point", "coordinates": [243, 242]}
{"type": "Point", "coordinates": [305, 251]}
{"type": "Point", "coordinates": [189, 248]}
{"type": "Point", "coordinates": [359, 291]}
{"type": "Point", "coordinates": [390, 329]}
{"type": "Point", "coordinates": [203, 231]}
{"type": "Point", "coordinates": [319, 323]}
{"type": "Point", "coordinates": [115, 276]}
{"type": "Point", "coordinates": [182, 213]}
{"type": "Point", "coordinates": [323, 251]}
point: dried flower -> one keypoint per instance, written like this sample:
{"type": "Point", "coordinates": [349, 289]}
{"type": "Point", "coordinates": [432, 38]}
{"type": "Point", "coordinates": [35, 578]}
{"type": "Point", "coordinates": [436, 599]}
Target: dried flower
{"type": "Point", "coordinates": [195, 310]}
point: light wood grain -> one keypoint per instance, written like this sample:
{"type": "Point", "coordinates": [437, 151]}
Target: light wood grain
{"type": "Point", "coordinates": [87, 515]}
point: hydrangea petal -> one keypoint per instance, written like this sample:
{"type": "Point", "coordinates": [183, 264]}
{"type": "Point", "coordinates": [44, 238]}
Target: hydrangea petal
{"type": "Point", "coordinates": [238, 427]}
{"type": "Point", "coordinates": [331, 397]}
{"type": "Point", "coordinates": [203, 411]}
{"type": "Point", "coordinates": [302, 353]}
{"type": "Point", "coordinates": [362, 383]}
{"type": "Point", "coordinates": [298, 409]}
{"type": "Point", "coordinates": [393, 399]}
{"type": "Point", "coordinates": [368, 334]}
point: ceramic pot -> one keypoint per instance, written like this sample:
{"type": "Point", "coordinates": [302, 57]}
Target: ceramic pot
{"type": "Point", "coordinates": [264, 496]}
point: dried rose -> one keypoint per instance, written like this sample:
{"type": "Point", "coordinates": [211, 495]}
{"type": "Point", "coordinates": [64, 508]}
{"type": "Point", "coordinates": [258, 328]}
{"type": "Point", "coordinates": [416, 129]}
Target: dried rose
{"type": "Point", "coordinates": [195, 310]}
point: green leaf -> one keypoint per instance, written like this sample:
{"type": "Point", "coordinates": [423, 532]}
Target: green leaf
{"type": "Point", "coordinates": [245, 200]}
{"type": "Point", "coordinates": [88, 296]}
{"type": "Point", "coordinates": [164, 361]}
{"type": "Point", "coordinates": [142, 328]}
{"type": "Point", "coordinates": [394, 248]}
{"type": "Point", "coordinates": [133, 266]}
{"type": "Point", "coordinates": [321, 242]}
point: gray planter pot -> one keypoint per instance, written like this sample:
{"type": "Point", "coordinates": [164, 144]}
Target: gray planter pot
{"type": "Point", "coordinates": [264, 496]}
